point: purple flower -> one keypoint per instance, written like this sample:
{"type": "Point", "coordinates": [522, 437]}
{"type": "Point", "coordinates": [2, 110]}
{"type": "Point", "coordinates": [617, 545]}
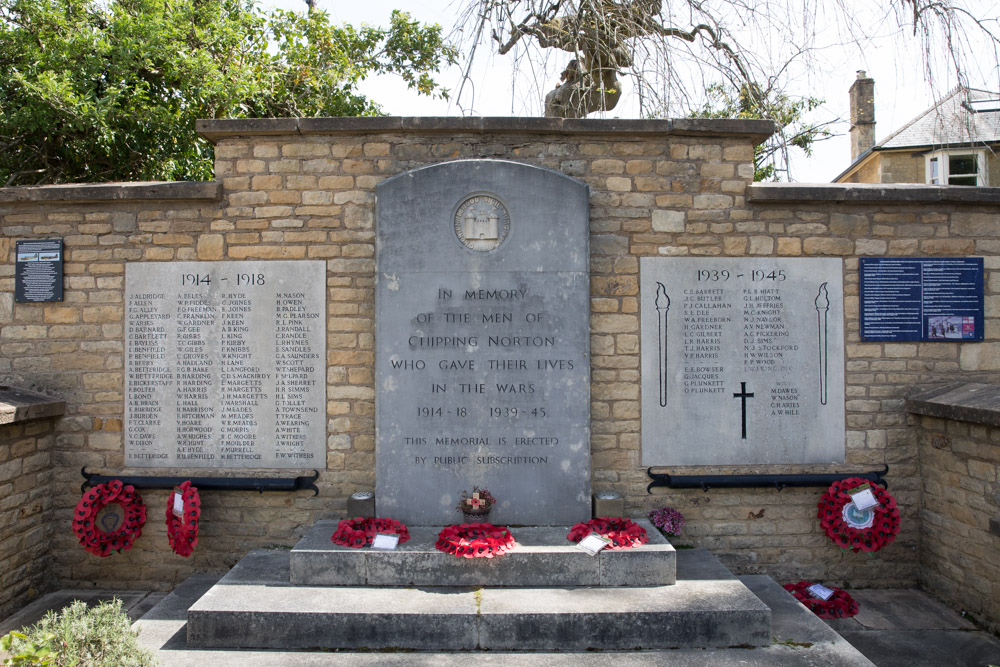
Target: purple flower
{"type": "Point", "coordinates": [667, 519]}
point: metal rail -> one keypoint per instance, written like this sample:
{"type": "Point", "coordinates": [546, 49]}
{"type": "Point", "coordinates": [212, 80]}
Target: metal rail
{"type": "Point", "coordinates": [779, 482]}
{"type": "Point", "coordinates": [258, 484]}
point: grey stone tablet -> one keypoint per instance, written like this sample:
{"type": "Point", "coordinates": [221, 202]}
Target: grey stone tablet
{"type": "Point", "coordinates": [482, 343]}
{"type": "Point", "coordinates": [225, 364]}
{"type": "Point", "coordinates": [742, 361]}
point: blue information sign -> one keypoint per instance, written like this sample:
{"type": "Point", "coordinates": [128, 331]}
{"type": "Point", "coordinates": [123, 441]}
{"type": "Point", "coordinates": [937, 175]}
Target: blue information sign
{"type": "Point", "coordinates": [921, 299]}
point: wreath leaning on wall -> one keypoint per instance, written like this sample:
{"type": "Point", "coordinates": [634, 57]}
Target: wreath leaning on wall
{"type": "Point", "coordinates": [859, 530]}
{"type": "Point", "coordinates": [110, 532]}
{"type": "Point", "coordinates": [182, 531]}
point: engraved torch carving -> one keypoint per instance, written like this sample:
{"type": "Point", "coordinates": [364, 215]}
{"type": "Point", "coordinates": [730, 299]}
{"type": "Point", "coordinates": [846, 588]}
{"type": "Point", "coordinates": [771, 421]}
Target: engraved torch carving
{"type": "Point", "coordinates": [822, 310]}
{"type": "Point", "coordinates": [662, 306]}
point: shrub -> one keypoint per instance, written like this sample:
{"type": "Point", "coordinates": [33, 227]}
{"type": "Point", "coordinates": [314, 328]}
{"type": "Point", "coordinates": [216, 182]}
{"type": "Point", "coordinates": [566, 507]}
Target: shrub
{"type": "Point", "coordinates": [101, 636]}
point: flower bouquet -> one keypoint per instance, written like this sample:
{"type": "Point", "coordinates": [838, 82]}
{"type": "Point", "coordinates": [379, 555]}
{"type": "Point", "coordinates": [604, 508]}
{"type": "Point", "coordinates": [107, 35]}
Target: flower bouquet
{"type": "Point", "coordinates": [668, 520]}
{"type": "Point", "coordinates": [476, 507]}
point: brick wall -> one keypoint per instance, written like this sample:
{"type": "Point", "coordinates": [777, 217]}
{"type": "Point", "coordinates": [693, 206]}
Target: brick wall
{"type": "Point", "coordinates": [305, 189]}
{"type": "Point", "coordinates": [957, 429]}
{"type": "Point", "coordinates": [27, 437]}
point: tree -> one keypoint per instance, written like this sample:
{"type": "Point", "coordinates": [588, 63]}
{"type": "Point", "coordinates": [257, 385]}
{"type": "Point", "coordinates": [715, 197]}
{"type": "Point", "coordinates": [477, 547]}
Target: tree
{"type": "Point", "coordinates": [674, 51]}
{"type": "Point", "coordinates": [790, 127]}
{"type": "Point", "coordinates": [97, 90]}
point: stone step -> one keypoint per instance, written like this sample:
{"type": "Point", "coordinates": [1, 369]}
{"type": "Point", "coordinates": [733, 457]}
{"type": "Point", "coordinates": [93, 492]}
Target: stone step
{"type": "Point", "coordinates": [254, 606]}
{"type": "Point", "coordinates": [543, 557]}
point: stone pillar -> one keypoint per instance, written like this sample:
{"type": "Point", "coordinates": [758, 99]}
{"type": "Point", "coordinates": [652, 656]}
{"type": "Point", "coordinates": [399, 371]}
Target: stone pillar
{"type": "Point", "coordinates": [862, 95]}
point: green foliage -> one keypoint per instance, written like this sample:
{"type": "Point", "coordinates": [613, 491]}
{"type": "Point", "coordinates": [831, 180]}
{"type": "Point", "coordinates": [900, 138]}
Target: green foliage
{"type": "Point", "coordinates": [99, 90]}
{"type": "Point", "coordinates": [79, 637]}
{"type": "Point", "coordinates": [790, 128]}
{"type": "Point", "coordinates": [24, 651]}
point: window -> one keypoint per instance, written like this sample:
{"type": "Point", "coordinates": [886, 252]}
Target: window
{"type": "Point", "coordinates": [956, 168]}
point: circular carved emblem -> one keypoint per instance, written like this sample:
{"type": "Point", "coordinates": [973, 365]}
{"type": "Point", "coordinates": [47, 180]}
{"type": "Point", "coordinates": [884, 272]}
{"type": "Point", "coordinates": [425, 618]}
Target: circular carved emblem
{"type": "Point", "coordinates": [482, 223]}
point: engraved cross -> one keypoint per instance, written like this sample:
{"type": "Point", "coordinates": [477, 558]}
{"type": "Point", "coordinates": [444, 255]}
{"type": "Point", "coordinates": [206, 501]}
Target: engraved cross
{"type": "Point", "coordinates": [743, 396]}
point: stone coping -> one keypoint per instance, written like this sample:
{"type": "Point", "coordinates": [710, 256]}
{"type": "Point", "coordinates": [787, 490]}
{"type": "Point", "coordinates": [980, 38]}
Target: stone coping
{"type": "Point", "coordinates": [215, 130]}
{"type": "Point", "coordinates": [21, 405]}
{"type": "Point", "coordinates": [870, 192]}
{"type": "Point", "coordinates": [961, 401]}
{"type": "Point", "coordinates": [93, 192]}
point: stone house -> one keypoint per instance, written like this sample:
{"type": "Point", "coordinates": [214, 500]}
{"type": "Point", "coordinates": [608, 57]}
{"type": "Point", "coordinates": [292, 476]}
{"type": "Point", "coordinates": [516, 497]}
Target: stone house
{"type": "Point", "coordinates": [952, 143]}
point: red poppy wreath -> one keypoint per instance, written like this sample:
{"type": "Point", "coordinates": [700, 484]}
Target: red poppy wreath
{"type": "Point", "coordinates": [475, 540]}
{"type": "Point", "coordinates": [852, 528]}
{"type": "Point", "coordinates": [182, 531]}
{"type": "Point", "coordinates": [111, 531]}
{"type": "Point", "coordinates": [360, 532]}
{"type": "Point", "coordinates": [840, 604]}
{"type": "Point", "coordinates": [623, 533]}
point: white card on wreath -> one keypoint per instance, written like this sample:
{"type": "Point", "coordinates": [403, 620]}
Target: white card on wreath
{"type": "Point", "coordinates": [385, 542]}
{"type": "Point", "coordinates": [178, 506]}
{"type": "Point", "coordinates": [820, 591]}
{"type": "Point", "coordinates": [864, 499]}
{"type": "Point", "coordinates": [593, 543]}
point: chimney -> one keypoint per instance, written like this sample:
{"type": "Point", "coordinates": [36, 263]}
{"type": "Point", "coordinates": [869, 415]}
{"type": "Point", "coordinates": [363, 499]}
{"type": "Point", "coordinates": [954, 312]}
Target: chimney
{"type": "Point", "coordinates": [862, 114]}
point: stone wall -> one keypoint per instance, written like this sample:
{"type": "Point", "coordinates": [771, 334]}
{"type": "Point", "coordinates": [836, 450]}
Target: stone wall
{"type": "Point", "coordinates": [293, 189]}
{"type": "Point", "coordinates": [958, 435]}
{"type": "Point", "coordinates": [26, 527]}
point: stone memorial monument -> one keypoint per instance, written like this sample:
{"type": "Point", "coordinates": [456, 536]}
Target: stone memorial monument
{"type": "Point", "coordinates": [225, 364]}
{"type": "Point", "coordinates": [482, 343]}
{"type": "Point", "coordinates": [742, 361]}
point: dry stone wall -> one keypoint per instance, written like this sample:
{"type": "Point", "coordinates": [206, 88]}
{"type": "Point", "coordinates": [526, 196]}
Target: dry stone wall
{"type": "Point", "coordinates": [305, 189]}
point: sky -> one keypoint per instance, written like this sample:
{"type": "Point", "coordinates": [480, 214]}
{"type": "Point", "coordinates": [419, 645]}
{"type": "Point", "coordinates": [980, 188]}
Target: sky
{"type": "Point", "coordinates": [496, 86]}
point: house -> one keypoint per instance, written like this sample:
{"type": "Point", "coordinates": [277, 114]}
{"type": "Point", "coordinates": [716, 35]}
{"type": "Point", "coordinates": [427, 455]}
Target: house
{"type": "Point", "coordinates": [954, 142]}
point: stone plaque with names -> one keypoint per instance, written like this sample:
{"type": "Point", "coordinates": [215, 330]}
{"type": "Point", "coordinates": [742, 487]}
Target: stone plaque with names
{"type": "Point", "coordinates": [742, 361]}
{"type": "Point", "coordinates": [482, 343]}
{"type": "Point", "coordinates": [225, 364]}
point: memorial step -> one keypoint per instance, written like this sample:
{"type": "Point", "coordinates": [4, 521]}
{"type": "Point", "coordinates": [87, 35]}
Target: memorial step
{"type": "Point", "coordinates": [543, 557]}
{"type": "Point", "coordinates": [254, 606]}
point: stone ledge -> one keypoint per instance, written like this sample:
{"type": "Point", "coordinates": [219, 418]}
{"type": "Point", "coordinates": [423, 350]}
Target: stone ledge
{"type": "Point", "coordinates": [961, 401]}
{"type": "Point", "coordinates": [215, 130]}
{"type": "Point", "coordinates": [902, 193]}
{"type": "Point", "coordinates": [92, 192]}
{"type": "Point", "coordinates": [21, 405]}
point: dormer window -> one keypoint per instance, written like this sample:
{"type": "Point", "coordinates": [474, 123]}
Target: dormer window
{"type": "Point", "coordinates": [958, 167]}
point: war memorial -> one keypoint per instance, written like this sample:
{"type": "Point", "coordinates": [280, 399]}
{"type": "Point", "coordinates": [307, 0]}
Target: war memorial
{"type": "Point", "coordinates": [589, 318]}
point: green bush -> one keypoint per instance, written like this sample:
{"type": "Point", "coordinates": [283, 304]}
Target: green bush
{"type": "Point", "coordinates": [79, 637]}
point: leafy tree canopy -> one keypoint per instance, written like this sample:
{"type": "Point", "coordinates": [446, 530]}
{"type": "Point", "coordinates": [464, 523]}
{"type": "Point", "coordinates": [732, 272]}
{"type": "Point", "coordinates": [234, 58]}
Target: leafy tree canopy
{"type": "Point", "coordinates": [97, 90]}
{"type": "Point", "coordinates": [791, 130]}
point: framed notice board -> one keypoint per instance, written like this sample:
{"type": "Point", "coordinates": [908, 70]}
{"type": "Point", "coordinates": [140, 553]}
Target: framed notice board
{"type": "Point", "coordinates": [921, 299]}
{"type": "Point", "coordinates": [38, 271]}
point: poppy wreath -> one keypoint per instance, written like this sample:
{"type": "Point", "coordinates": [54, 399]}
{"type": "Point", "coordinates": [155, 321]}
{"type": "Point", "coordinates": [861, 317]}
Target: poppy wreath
{"type": "Point", "coordinates": [183, 532]}
{"type": "Point", "coordinates": [102, 542]}
{"type": "Point", "coordinates": [840, 604]}
{"type": "Point", "coordinates": [360, 532]}
{"type": "Point", "coordinates": [885, 517]}
{"type": "Point", "coordinates": [475, 540]}
{"type": "Point", "coordinates": [623, 533]}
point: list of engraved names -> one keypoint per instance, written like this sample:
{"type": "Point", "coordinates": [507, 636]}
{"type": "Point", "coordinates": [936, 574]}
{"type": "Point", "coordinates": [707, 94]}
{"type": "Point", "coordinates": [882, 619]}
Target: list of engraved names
{"type": "Point", "coordinates": [225, 364]}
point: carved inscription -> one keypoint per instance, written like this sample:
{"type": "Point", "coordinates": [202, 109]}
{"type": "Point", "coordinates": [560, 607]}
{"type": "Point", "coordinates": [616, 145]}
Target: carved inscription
{"type": "Point", "coordinates": [224, 364]}
{"type": "Point", "coordinates": [742, 361]}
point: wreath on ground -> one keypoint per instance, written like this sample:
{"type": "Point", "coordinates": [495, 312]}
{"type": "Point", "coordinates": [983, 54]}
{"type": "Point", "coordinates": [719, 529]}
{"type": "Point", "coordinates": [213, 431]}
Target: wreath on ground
{"type": "Point", "coordinates": [623, 533]}
{"type": "Point", "coordinates": [840, 604]}
{"type": "Point", "coordinates": [851, 528]}
{"type": "Point", "coordinates": [360, 532]}
{"type": "Point", "coordinates": [111, 532]}
{"type": "Point", "coordinates": [182, 531]}
{"type": "Point", "coordinates": [475, 540]}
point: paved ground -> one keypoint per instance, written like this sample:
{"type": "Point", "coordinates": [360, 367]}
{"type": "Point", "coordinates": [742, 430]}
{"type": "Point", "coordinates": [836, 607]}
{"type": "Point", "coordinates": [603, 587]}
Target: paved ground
{"type": "Point", "coordinates": [893, 627]}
